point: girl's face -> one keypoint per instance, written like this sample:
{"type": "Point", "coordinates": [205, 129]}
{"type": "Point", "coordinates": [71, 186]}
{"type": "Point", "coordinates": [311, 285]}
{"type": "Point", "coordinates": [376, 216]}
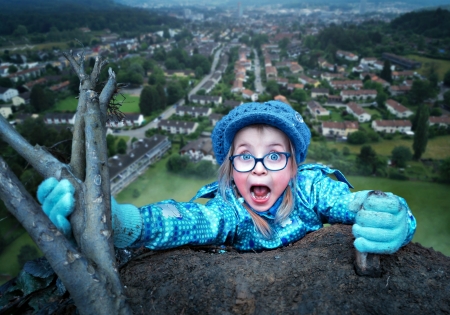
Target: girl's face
{"type": "Point", "coordinates": [260, 187]}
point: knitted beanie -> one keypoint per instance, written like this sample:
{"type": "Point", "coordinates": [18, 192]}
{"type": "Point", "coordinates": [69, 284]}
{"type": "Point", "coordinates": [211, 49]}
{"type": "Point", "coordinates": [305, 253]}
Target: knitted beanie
{"type": "Point", "coordinates": [274, 113]}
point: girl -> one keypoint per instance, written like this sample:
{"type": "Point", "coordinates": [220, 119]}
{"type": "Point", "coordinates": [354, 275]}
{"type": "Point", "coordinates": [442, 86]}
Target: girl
{"type": "Point", "coordinates": [263, 199]}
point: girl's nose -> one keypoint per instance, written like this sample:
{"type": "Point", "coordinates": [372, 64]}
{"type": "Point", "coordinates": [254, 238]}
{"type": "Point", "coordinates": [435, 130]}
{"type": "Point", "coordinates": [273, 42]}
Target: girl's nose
{"type": "Point", "coordinates": [259, 169]}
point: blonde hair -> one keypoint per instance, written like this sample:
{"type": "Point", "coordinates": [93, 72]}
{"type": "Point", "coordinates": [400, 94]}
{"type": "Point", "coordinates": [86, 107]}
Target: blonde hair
{"type": "Point", "coordinates": [287, 205]}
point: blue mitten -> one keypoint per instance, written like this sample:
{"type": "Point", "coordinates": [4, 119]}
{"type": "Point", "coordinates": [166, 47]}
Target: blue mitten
{"type": "Point", "coordinates": [57, 202]}
{"type": "Point", "coordinates": [57, 199]}
{"type": "Point", "coordinates": [126, 222]}
{"type": "Point", "coordinates": [381, 226]}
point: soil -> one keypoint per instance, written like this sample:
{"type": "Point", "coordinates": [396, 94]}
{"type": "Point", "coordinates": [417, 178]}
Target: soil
{"type": "Point", "coordinates": [315, 275]}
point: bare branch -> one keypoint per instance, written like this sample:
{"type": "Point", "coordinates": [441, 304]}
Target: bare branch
{"type": "Point", "coordinates": [78, 158]}
{"type": "Point", "coordinates": [79, 277]}
{"type": "Point", "coordinates": [76, 65]}
{"type": "Point", "coordinates": [98, 66]}
{"type": "Point", "coordinates": [108, 91]}
{"type": "Point", "coordinates": [41, 160]}
{"type": "Point", "coordinates": [98, 197]}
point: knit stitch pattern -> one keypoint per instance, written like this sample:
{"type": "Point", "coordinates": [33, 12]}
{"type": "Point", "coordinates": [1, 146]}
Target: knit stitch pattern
{"type": "Point", "coordinates": [274, 113]}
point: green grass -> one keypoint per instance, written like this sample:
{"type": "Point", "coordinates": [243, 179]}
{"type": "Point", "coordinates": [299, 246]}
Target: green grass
{"type": "Point", "coordinates": [442, 66]}
{"type": "Point", "coordinates": [9, 266]}
{"type": "Point", "coordinates": [428, 202]}
{"type": "Point", "coordinates": [437, 148]}
{"type": "Point", "coordinates": [130, 104]}
{"type": "Point", "coordinates": [157, 184]}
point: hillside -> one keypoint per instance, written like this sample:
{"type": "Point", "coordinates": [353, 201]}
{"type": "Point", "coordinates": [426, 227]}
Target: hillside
{"type": "Point", "coordinates": [434, 24]}
{"type": "Point", "coordinates": [315, 275]}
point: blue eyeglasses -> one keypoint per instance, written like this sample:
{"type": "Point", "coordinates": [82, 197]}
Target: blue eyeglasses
{"type": "Point", "coordinates": [273, 161]}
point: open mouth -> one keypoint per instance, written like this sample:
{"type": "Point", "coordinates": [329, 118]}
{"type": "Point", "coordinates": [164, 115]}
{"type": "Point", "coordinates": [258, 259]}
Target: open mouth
{"type": "Point", "coordinates": [260, 193]}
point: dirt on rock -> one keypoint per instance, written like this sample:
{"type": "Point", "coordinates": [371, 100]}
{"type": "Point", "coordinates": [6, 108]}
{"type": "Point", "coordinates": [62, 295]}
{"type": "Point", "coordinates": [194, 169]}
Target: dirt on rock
{"type": "Point", "coordinates": [315, 275]}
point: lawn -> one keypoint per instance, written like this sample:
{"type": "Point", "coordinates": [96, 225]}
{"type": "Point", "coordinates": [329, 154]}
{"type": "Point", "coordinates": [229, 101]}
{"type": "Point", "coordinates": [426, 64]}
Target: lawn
{"type": "Point", "coordinates": [437, 148]}
{"type": "Point", "coordinates": [428, 202]}
{"type": "Point", "coordinates": [130, 104]}
{"type": "Point", "coordinates": [442, 66]}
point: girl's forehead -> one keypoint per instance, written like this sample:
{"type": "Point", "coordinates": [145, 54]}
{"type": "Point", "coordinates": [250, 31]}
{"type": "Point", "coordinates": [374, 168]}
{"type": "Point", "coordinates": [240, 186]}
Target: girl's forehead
{"type": "Point", "coordinates": [253, 132]}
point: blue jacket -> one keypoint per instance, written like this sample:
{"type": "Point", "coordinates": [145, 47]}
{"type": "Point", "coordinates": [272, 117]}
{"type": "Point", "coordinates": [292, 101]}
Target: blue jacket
{"type": "Point", "coordinates": [318, 200]}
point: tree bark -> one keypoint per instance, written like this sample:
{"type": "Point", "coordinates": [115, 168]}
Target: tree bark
{"type": "Point", "coordinates": [87, 268]}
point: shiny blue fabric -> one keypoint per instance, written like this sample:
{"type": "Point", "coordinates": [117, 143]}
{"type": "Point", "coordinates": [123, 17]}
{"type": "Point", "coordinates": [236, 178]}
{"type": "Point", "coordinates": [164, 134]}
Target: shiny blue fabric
{"type": "Point", "coordinates": [319, 199]}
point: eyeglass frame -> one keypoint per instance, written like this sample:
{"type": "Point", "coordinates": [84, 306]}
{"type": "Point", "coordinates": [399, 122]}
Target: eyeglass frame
{"type": "Point", "coordinates": [286, 154]}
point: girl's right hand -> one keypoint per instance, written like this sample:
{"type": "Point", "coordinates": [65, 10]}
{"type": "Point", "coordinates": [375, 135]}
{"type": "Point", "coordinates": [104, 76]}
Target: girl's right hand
{"type": "Point", "coordinates": [57, 199]}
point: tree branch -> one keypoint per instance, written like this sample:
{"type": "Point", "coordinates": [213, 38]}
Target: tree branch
{"type": "Point", "coordinates": [81, 279]}
{"type": "Point", "coordinates": [78, 158]}
{"type": "Point", "coordinates": [108, 91]}
{"type": "Point", "coordinates": [41, 160]}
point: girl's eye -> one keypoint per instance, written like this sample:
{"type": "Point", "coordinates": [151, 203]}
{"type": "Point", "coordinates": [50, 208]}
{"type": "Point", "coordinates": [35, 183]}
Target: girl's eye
{"type": "Point", "coordinates": [274, 156]}
{"type": "Point", "coordinates": [246, 157]}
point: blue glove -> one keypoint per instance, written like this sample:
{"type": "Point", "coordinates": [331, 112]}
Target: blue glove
{"type": "Point", "coordinates": [126, 223]}
{"type": "Point", "coordinates": [57, 202]}
{"type": "Point", "coordinates": [381, 226]}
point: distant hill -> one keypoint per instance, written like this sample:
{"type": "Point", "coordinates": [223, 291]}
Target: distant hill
{"type": "Point", "coordinates": [41, 16]}
{"type": "Point", "coordinates": [434, 24]}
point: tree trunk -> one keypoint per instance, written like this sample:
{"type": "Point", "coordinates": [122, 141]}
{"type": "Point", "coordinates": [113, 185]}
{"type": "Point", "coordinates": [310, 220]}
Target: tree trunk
{"type": "Point", "coordinates": [88, 268]}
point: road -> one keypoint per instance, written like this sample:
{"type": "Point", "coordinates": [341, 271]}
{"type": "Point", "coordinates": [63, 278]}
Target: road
{"type": "Point", "coordinates": [258, 84]}
{"type": "Point", "coordinates": [140, 132]}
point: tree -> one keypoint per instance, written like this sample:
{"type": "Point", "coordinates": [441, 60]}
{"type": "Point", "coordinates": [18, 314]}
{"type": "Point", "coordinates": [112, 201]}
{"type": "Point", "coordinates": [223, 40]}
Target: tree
{"type": "Point", "coordinates": [121, 146]}
{"type": "Point", "coordinates": [162, 96]}
{"type": "Point", "coordinates": [357, 137]}
{"type": "Point", "coordinates": [299, 95]}
{"type": "Point", "coordinates": [148, 101]}
{"type": "Point", "coordinates": [447, 78]}
{"type": "Point", "coordinates": [20, 31]}
{"type": "Point", "coordinates": [39, 99]}
{"type": "Point", "coordinates": [421, 132]}
{"type": "Point", "coordinates": [447, 97]}
{"type": "Point", "coordinates": [86, 264]}
{"type": "Point", "coordinates": [367, 160]}
{"type": "Point", "coordinates": [272, 88]}
{"type": "Point", "coordinates": [111, 145]}
{"type": "Point", "coordinates": [401, 155]}
{"type": "Point", "coordinates": [174, 92]}
{"type": "Point", "coordinates": [386, 73]}
{"type": "Point", "coordinates": [444, 170]}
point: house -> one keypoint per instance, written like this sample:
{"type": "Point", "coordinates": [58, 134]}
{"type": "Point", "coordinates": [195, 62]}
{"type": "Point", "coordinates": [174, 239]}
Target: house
{"type": "Point", "coordinates": [231, 103]}
{"type": "Point", "coordinates": [130, 120]}
{"type": "Point", "coordinates": [442, 121]}
{"type": "Point", "coordinates": [271, 72]}
{"type": "Point", "coordinates": [216, 77]}
{"type": "Point", "coordinates": [331, 76]}
{"type": "Point", "coordinates": [237, 87]}
{"type": "Point", "coordinates": [25, 75]}
{"type": "Point", "coordinates": [195, 111]}
{"type": "Point", "coordinates": [402, 61]}
{"type": "Point", "coordinates": [208, 86]}
{"type": "Point", "coordinates": [125, 168]}
{"type": "Point", "coordinates": [23, 98]}
{"type": "Point", "coordinates": [399, 89]}
{"type": "Point", "coordinates": [358, 112]}
{"type": "Point", "coordinates": [307, 80]}
{"type": "Point", "coordinates": [398, 109]}
{"type": "Point", "coordinates": [392, 126]}
{"type": "Point", "coordinates": [59, 118]}
{"type": "Point", "coordinates": [7, 94]}
{"type": "Point", "coordinates": [368, 61]}
{"type": "Point", "coordinates": [281, 98]}
{"type": "Point", "coordinates": [200, 149]}
{"type": "Point", "coordinates": [60, 86]}
{"type": "Point", "coordinates": [359, 94]}
{"type": "Point", "coordinates": [214, 118]}
{"type": "Point", "coordinates": [295, 67]}
{"type": "Point", "coordinates": [403, 74]}
{"type": "Point", "coordinates": [316, 92]}
{"type": "Point", "coordinates": [316, 109]}
{"type": "Point", "coordinates": [346, 84]}
{"type": "Point", "coordinates": [282, 81]}
{"type": "Point", "coordinates": [293, 86]}
{"type": "Point", "coordinates": [334, 99]}
{"type": "Point", "coordinates": [342, 129]}
{"type": "Point", "coordinates": [347, 55]}
{"type": "Point", "coordinates": [5, 111]}
{"type": "Point", "coordinates": [178, 127]}
{"type": "Point", "coordinates": [206, 99]}
{"type": "Point", "coordinates": [249, 94]}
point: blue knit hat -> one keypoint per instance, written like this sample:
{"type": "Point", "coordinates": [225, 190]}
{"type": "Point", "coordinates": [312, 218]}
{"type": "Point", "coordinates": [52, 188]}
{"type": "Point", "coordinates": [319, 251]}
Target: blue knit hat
{"type": "Point", "coordinates": [273, 113]}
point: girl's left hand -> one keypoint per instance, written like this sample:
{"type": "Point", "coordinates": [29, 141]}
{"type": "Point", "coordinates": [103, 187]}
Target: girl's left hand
{"type": "Point", "coordinates": [381, 225]}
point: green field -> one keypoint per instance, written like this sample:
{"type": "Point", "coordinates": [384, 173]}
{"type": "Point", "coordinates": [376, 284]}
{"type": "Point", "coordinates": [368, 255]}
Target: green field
{"type": "Point", "coordinates": [130, 104]}
{"type": "Point", "coordinates": [441, 66]}
{"type": "Point", "coordinates": [437, 148]}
